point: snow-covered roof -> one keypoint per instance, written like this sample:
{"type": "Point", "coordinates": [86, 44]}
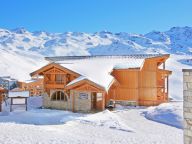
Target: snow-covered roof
{"type": "Point", "coordinates": [77, 80]}
{"type": "Point", "coordinates": [7, 78]}
{"type": "Point", "coordinates": [98, 69]}
{"type": "Point", "coordinates": [135, 56]}
{"type": "Point", "coordinates": [18, 94]}
{"type": "Point", "coordinates": [137, 63]}
{"type": "Point", "coordinates": [80, 79]}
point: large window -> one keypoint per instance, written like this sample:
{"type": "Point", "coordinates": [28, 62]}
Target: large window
{"type": "Point", "coordinates": [59, 96]}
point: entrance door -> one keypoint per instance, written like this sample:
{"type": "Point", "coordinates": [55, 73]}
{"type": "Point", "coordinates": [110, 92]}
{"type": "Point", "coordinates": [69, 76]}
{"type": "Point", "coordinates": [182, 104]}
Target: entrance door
{"type": "Point", "coordinates": [93, 100]}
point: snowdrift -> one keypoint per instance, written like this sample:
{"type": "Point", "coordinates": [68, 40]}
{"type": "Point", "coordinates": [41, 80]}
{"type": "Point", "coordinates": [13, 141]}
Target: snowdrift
{"type": "Point", "coordinates": [105, 119]}
{"type": "Point", "coordinates": [167, 113]}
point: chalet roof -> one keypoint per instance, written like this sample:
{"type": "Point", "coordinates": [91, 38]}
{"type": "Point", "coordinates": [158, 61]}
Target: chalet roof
{"type": "Point", "coordinates": [18, 94]}
{"type": "Point", "coordinates": [97, 69]}
{"type": "Point", "coordinates": [83, 78]}
{"type": "Point", "coordinates": [77, 80]}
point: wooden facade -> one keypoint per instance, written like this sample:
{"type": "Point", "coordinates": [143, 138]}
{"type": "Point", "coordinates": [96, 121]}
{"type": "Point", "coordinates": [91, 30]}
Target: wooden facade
{"type": "Point", "coordinates": [56, 78]}
{"type": "Point", "coordinates": [146, 85]}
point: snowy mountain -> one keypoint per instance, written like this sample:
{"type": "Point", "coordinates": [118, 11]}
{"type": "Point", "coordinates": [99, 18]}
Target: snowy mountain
{"type": "Point", "coordinates": [21, 51]}
{"type": "Point", "coordinates": [177, 40]}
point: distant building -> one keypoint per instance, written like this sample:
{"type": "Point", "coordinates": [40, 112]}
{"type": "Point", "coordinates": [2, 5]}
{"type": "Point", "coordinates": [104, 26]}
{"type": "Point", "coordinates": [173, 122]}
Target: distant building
{"type": "Point", "coordinates": [34, 86]}
{"type": "Point", "coordinates": [86, 83]}
{"type": "Point", "coordinates": [3, 93]}
{"type": "Point", "coordinates": [8, 83]}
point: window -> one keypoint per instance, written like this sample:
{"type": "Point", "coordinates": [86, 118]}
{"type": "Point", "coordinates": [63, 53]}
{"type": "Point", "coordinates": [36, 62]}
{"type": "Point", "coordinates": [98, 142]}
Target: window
{"type": "Point", "coordinates": [59, 96]}
{"type": "Point", "coordinates": [59, 78]}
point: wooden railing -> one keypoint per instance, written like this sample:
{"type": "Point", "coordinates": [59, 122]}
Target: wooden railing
{"type": "Point", "coordinates": [160, 83]}
{"type": "Point", "coordinates": [54, 82]}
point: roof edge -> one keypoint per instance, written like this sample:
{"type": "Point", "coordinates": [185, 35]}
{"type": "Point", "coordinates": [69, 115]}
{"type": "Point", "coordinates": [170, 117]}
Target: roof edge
{"type": "Point", "coordinates": [62, 58]}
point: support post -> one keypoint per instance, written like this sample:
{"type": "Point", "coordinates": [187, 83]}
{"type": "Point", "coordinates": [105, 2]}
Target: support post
{"type": "Point", "coordinates": [11, 104]}
{"type": "Point", "coordinates": [164, 65]}
{"type": "Point", "coordinates": [167, 86]}
{"type": "Point", "coordinates": [26, 103]}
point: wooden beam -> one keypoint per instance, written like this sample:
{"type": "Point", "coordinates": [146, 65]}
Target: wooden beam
{"type": "Point", "coordinates": [167, 87]}
{"type": "Point", "coordinates": [11, 105]}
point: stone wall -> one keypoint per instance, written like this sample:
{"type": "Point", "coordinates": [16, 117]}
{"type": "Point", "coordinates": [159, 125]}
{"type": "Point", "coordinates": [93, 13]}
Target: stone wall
{"type": "Point", "coordinates": [61, 105]}
{"type": "Point", "coordinates": [82, 104]}
{"type": "Point", "coordinates": [187, 105]}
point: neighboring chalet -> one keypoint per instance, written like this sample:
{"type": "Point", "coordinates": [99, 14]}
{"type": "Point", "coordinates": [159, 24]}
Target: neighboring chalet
{"type": "Point", "coordinates": [34, 86]}
{"type": "Point", "coordinates": [85, 83]}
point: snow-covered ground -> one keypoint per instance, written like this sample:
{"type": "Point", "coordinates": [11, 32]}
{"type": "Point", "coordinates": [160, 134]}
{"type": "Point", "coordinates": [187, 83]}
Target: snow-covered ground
{"type": "Point", "coordinates": [124, 125]}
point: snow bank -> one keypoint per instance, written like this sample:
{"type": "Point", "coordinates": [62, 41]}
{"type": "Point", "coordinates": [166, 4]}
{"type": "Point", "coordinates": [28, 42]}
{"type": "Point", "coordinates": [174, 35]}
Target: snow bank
{"type": "Point", "coordinates": [167, 113]}
{"type": "Point", "coordinates": [35, 115]}
{"type": "Point", "coordinates": [105, 119]}
{"type": "Point", "coordinates": [39, 117]}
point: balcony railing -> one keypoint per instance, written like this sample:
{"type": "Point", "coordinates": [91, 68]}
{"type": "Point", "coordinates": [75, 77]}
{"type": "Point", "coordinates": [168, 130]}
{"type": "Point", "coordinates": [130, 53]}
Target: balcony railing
{"type": "Point", "coordinates": [54, 82]}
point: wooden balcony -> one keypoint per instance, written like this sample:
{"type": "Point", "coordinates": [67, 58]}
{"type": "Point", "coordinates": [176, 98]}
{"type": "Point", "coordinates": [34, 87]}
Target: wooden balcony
{"type": "Point", "coordinates": [55, 84]}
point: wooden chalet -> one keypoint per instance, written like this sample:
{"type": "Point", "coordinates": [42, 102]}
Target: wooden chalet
{"type": "Point", "coordinates": [86, 83]}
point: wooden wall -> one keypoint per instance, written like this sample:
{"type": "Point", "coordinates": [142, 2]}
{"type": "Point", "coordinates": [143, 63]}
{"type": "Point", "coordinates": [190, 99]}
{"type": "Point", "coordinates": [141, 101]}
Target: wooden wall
{"type": "Point", "coordinates": [148, 82]}
{"type": "Point", "coordinates": [146, 85]}
{"type": "Point", "coordinates": [128, 85]}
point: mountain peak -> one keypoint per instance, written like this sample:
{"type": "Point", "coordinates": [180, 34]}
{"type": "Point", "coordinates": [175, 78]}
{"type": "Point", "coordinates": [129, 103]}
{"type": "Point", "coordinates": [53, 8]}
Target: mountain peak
{"type": "Point", "coordinates": [20, 30]}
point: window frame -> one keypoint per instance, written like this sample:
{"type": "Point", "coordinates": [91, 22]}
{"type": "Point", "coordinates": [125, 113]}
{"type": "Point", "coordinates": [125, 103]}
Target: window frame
{"type": "Point", "coordinates": [59, 96]}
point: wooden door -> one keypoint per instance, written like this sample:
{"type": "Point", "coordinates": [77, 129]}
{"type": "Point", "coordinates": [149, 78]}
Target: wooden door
{"type": "Point", "coordinates": [93, 100]}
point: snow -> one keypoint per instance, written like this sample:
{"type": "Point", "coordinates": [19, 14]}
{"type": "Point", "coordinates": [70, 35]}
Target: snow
{"type": "Point", "coordinates": [18, 94]}
{"type": "Point", "coordinates": [123, 125]}
{"type": "Point", "coordinates": [105, 119]}
{"type": "Point", "coordinates": [176, 78]}
{"type": "Point", "coordinates": [80, 79]}
{"type": "Point", "coordinates": [167, 113]}
{"type": "Point", "coordinates": [137, 63]}
{"type": "Point", "coordinates": [76, 131]}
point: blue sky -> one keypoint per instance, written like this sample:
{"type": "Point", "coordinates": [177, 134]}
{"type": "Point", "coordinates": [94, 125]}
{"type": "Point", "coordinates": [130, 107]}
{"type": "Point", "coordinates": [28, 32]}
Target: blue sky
{"type": "Point", "coordinates": [137, 16]}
